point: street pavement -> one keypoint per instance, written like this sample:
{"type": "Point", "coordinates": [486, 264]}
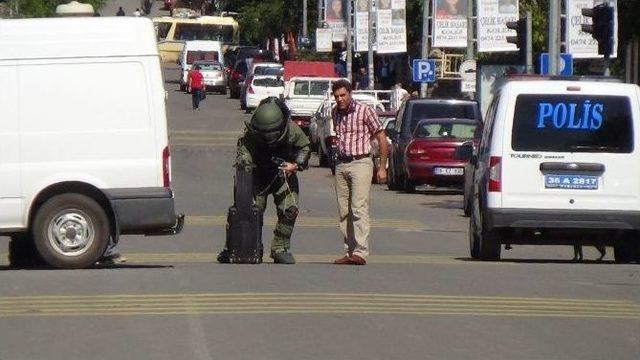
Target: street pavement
{"type": "Point", "coordinates": [420, 296]}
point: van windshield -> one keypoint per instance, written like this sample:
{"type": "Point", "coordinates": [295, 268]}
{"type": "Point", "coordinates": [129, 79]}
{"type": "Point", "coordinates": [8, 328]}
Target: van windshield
{"type": "Point", "coordinates": [420, 111]}
{"type": "Point", "coordinates": [223, 33]}
{"type": "Point", "coordinates": [572, 123]}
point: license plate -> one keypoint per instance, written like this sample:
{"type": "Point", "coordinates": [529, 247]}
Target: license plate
{"type": "Point", "coordinates": [448, 171]}
{"type": "Point", "coordinates": [579, 182]}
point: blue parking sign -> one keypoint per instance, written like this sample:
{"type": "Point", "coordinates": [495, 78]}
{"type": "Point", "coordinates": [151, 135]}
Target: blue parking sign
{"type": "Point", "coordinates": [565, 66]}
{"type": "Point", "coordinates": [424, 70]}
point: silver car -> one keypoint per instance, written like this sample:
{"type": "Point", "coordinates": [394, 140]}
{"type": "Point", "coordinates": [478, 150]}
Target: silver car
{"type": "Point", "coordinates": [215, 79]}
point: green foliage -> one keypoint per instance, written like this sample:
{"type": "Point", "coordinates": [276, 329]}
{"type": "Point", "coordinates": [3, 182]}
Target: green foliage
{"type": "Point", "coordinates": [45, 8]}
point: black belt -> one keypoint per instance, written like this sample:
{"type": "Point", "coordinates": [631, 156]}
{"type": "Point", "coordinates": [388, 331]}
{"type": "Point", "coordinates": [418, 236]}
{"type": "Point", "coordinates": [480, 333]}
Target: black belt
{"type": "Point", "coordinates": [347, 159]}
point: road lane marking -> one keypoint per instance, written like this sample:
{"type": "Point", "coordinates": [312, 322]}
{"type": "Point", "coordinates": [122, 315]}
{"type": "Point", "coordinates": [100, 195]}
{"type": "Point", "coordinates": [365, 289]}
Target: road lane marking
{"type": "Point", "coordinates": [312, 303]}
{"type": "Point", "coordinates": [187, 144]}
{"type": "Point", "coordinates": [205, 132]}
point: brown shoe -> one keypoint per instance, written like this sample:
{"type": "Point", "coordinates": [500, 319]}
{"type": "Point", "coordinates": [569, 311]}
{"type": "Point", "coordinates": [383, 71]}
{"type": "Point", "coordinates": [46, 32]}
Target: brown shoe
{"type": "Point", "coordinates": [357, 260]}
{"type": "Point", "coordinates": [345, 260]}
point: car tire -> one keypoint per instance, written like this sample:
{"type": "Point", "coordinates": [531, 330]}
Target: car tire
{"type": "Point", "coordinates": [486, 242]}
{"type": "Point", "coordinates": [407, 185]}
{"type": "Point", "coordinates": [75, 213]}
{"type": "Point", "coordinates": [474, 242]}
{"type": "Point", "coordinates": [223, 91]}
{"type": "Point", "coordinates": [467, 204]}
{"type": "Point", "coordinates": [627, 249]}
{"type": "Point", "coordinates": [183, 88]}
{"type": "Point", "coordinates": [392, 181]}
{"type": "Point", "coordinates": [22, 252]}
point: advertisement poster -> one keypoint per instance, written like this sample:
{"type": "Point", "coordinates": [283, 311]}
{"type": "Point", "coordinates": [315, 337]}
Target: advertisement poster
{"type": "Point", "coordinates": [391, 35]}
{"type": "Point", "coordinates": [362, 25]}
{"type": "Point", "coordinates": [335, 15]}
{"type": "Point", "coordinates": [324, 41]}
{"type": "Point", "coordinates": [491, 25]}
{"type": "Point", "coordinates": [581, 44]}
{"type": "Point", "coordinates": [449, 24]}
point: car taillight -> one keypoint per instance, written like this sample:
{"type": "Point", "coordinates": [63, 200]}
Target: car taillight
{"type": "Point", "coordinates": [417, 150]}
{"type": "Point", "coordinates": [495, 174]}
{"type": "Point", "coordinates": [166, 168]}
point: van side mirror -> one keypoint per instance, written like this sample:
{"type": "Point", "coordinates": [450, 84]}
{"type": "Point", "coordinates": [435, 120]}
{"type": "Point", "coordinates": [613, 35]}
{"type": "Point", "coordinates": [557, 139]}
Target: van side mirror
{"type": "Point", "coordinates": [465, 152]}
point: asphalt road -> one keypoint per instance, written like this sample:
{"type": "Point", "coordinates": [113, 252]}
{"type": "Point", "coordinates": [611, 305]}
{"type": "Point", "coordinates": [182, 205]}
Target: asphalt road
{"type": "Point", "coordinates": [420, 297]}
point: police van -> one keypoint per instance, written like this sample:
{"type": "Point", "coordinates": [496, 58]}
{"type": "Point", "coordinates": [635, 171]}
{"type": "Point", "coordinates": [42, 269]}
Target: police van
{"type": "Point", "coordinates": [558, 165]}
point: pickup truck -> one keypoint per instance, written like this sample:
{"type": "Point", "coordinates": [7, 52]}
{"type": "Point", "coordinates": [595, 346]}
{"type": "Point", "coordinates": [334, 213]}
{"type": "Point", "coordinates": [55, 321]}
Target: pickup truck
{"type": "Point", "coordinates": [303, 96]}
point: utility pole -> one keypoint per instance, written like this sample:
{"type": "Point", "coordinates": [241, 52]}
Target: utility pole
{"type": "Point", "coordinates": [554, 36]}
{"type": "Point", "coordinates": [305, 32]}
{"type": "Point", "coordinates": [372, 35]}
{"type": "Point", "coordinates": [470, 31]}
{"type": "Point", "coordinates": [425, 42]}
{"type": "Point", "coordinates": [349, 41]}
{"type": "Point", "coordinates": [529, 43]}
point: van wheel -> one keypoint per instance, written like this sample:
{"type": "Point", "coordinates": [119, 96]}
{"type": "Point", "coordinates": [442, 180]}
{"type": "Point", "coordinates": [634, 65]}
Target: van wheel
{"type": "Point", "coordinates": [71, 231]}
{"type": "Point", "coordinates": [22, 252]}
{"type": "Point", "coordinates": [223, 91]}
{"type": "Point", "coordinates": [485, 242]}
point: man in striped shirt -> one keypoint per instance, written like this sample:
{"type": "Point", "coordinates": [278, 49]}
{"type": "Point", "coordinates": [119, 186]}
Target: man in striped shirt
{"type": "Point", "coordinates": [355, 124]}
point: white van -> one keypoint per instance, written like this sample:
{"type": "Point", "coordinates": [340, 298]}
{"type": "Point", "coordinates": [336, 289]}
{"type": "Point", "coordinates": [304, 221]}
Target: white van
{"type": "Point", "coordinates": [197, 50]}
{"type": "Point", "coordinates": [559, 163]}
{"type": "Point", "coordinates": [84, 153]}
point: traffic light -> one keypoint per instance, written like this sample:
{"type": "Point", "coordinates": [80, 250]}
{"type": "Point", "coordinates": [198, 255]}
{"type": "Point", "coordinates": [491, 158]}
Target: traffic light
{"type": "Point", "coordinates": [602, 28]}
{"type": "Point", "coordinates": [520, 27]}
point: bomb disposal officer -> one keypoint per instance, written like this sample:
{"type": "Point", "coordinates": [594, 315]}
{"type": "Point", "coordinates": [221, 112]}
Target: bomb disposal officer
{"type": "Point", "coordinates": [272, 136]}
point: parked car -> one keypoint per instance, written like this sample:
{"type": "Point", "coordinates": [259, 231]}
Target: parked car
{"type": "Point", "coordinates": [469, 168]}
{"type": "Point", "coordinates": [215, 79]}
{"type": "Point", "coordinates": [558, 164]}
{"type": "Point", "coordinates": [385, 118]}
{"type": "Point", "coordinates": [197, 50]}
{"type": "Point", "coordinates": [402, 132]}
{"type": "Point", "coordinates": [258, 68]}
{"type": "Point", "coordinates": [261, 87]}
{"type": "Point", "coordinates": [239, 62]}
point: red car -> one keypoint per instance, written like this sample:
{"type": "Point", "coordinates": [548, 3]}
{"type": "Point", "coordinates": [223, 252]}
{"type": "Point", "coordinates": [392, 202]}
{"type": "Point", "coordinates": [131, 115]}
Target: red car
{"type": "Point", "coordinates": [430, 155]}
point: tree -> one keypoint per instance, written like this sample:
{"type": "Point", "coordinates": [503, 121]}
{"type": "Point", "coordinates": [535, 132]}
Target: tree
{"type": "Point", "coordinates": [45, 8]}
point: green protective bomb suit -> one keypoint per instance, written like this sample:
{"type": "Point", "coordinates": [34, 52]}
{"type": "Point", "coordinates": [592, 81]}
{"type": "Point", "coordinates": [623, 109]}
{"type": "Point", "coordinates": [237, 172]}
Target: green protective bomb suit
{"type": "Point", "coordinates": [269, 136]}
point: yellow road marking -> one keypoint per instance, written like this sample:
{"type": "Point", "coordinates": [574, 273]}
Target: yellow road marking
{"type": "Point", "coordinates": [312, 303]}
{"type": "Point", "coordinates": [187, 144]}
{"type": "Point", "coordinates": [204, 132]}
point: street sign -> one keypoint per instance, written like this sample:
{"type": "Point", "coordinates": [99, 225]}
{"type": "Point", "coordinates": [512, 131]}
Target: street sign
{"type": "Point", "coordinates": [565, 66]}
{"type": "Point", "coordinates": [424, 70]}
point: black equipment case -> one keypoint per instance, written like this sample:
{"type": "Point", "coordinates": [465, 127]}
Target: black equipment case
{"type": "Point", "coordinates": [244, 223]}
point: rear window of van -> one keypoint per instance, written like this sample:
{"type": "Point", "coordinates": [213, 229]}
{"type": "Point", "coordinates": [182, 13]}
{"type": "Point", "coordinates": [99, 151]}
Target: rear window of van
{"type": "Point", "coordinates": [572, 123]}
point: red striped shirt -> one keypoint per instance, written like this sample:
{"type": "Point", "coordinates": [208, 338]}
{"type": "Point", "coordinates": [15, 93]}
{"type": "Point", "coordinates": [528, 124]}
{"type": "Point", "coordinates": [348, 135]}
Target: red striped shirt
{"type": "Point", "coordinates": [355, 129]}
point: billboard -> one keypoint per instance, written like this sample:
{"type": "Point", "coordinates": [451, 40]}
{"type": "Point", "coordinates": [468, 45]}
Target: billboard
{"type": "Point", "coordinates": [391, 34]}
{"type": "Point", "coordinates": [324, 40]}
{"type": "Point", "coordinates": [491, 24]}
{"type": "Point", "coordinates": [335, 15]}
{"type": "Point", "coordinates": [362, 25]}
{"type": "Point", "coordinates": [449, 24]}
{"type": "Point", "coordinates": [580, 44]}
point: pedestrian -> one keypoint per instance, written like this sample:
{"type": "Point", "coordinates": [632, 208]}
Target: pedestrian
{"type": "Point", "coordinates": [271, 135]}
{"type": "Point", "coordinates": [146, 6]}
{"type": "Point", "coordinates": [355, 124]}
{"type": "Point", "coordinates": [362, 81]}
{"type": "Point", "coordinates": [195, 82]}
{"type": "Point", "coordinates": [400, 94]}
{"type": "Point", "coordinates": [120, 11]}
{"type": "Point", "coordinates": [137, 12]}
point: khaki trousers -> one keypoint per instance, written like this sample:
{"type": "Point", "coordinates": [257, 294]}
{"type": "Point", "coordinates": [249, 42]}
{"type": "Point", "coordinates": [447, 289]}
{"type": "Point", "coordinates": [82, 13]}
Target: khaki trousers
{"type": "Point", "coordinates": [353, 182]}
